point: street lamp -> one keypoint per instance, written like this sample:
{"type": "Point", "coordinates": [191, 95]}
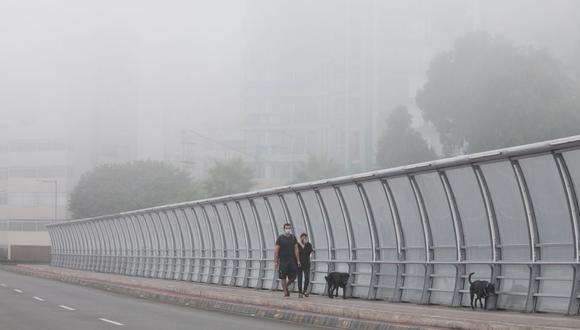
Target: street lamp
{"type": "Point", "coordinates": [55, 195]}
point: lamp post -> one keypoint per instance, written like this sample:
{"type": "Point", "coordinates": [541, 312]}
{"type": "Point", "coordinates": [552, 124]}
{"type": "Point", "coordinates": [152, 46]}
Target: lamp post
{"type": "Point", "coordinates": [55, 182]}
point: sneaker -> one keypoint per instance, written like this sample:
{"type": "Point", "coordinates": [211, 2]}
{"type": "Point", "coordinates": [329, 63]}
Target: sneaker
{"type": "Point", "coordinates": [287, 294]}
{"type": "Point", "coordinates": [300, 295]}
{"type": "Point", "coordinates": [306, 294]}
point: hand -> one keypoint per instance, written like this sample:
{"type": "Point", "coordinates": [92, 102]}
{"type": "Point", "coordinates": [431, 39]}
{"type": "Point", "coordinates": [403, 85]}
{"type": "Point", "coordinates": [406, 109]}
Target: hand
{"type": "Point", "coordinates": [299, 264]}
{"type": "Point", "coordinates": [277, 262]}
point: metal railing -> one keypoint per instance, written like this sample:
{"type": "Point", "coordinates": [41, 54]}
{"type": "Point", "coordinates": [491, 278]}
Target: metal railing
{"type": "Point", "coordinates": [410, 233]}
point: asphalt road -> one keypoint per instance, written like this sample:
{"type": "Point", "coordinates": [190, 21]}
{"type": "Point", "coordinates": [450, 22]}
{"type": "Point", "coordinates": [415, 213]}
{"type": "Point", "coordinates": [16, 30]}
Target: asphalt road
{"type": "Point", "coordinates": [29, 303]}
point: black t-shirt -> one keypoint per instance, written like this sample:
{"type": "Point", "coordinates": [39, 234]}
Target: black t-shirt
{"type": "Point", "coordinates": [305, 254]}
{"type": "Point", "coordinates": [286, 244]}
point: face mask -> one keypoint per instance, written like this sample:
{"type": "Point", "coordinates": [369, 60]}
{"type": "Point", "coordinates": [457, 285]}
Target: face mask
{"type": "Point", "coordinates": [287, 231]}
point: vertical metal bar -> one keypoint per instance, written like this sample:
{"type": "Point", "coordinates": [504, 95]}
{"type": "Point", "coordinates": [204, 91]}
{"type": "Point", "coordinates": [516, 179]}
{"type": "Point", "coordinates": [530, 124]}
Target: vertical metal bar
{"type": "Point", "coordinates": [235, 246]}
{"type": "Point", "coordinates": [352, 256]}
{"type": "Point", "coordinates": [138, 245]}
{"type": "Point", "coordinates": [157, 263]}
{"type": "Point", "coordinates": [191, 248]}
{"type": "Point", "coordinates": [211, 267]}
{"type": "Point", "coordinates": [174, 258]}
{"type": "Point", "coordinates": [143, 250]}
{"type": "Point", "coordinates": [164, 263]}
{"type": "Point", "coordinates": [428, 240]}
{"type": "Point", "coordinates": [124, 244]}
{"type": "Point", "coordinates": [272, 220]}
{"type": "Point", "coordinates": [493, 230]}
{"type": "Point", "coordinates": [460, 268]}
{"type": "Point", "coordinates": [183, 272]}
{"type": "Point", "coordinates": [204, 248]}
{"type": "Point", "coordinates": [220, 229]}
{"type": "Point", "coordinates": [309, 231]}
{"type": "Point", "coordinates": [262, 262]}
{"type": "Point", "coordinates": [400, 237]}
{"type": "Point", "coordinates": [328, 229]}
{"type": "Point", "coordinates": [375, 246]}
{"type": "Point", "coordinates": [249, 245]}
{"type": "Point", "coordinates": [111, 246]}
{"type": "Point", "coordinates": [534, 283]}
{"type": "Point", "coordinates": [87, 253]}
{"type": "Point", "coordinates": [572, 201]}
{"type": "Point", "coordinates": [129, 243]}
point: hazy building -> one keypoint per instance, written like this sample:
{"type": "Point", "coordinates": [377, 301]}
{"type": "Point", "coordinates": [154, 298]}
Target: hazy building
{"type": "Point", "coordinates": [34, 157]}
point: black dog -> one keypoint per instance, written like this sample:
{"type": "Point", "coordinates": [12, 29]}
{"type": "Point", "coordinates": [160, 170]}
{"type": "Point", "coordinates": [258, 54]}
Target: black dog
{"type": "Point", "coordinates": [336, 280]}
{"type": "Point", "coordinates": [481, 290]}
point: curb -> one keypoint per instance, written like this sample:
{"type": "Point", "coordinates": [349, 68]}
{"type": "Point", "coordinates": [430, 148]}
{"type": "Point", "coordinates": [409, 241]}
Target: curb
{"type": "Point", "coordinates": [308, 314]}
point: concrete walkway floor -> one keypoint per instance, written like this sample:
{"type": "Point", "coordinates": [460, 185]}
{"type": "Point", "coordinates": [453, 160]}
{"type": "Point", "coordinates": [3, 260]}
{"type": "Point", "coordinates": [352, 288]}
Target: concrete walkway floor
{"type": "Point", "coordinates": [315, 310]}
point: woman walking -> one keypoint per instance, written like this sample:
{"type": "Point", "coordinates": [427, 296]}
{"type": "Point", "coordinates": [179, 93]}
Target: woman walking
{"type": "Point", "coordinates": [305, 249]}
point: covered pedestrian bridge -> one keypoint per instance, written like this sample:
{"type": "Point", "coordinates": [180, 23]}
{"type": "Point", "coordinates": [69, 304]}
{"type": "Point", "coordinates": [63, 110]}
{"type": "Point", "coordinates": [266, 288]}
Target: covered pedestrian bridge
{"type": "Point", "coordinates": [410, 233]}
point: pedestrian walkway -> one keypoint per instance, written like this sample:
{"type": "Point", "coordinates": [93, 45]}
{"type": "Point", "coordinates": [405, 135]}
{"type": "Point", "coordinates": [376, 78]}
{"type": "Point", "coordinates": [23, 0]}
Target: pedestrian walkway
{"type": "Point", "coordinates": [315, 310]}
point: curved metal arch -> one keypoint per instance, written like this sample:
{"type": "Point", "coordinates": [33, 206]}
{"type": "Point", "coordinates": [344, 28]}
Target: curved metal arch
{"type": "Point", "coordinates": [249, 251]}
{"type": "Point", "coordinates": [182, 261]}
{"type": "Point", "coordinates": [533, 286]}
{"type": "Point", "coordinates": [204, 248]}
{"type": "Point", "coordinates": [138, 243]}
{"type": "Point", "coordinates": [165, 259]}
{"type": "Point", "coordinates": [428, 239]}
{"type": "Point", "coordinates": [224, 244]}
{"type": "Point", "coordinates": [573, 208]}
{"type": "Point", "coordinates": [235, 247]}
{"type": "Point", "coordinates": [400, 240]}
{"type": "Point", "coordinates": [156, 262]}
{"type": "Point", "coordinates": [375, 244]}
{"type": "Point", "coordinates": [459, 239]}
{"type": "Point", "coordinates": [190, 248]}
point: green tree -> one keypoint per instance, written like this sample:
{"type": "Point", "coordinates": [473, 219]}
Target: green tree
{"type": "Point", "coordinates": [116, 188]}
{"type": "Point", "coordinates": [488, 93]}
{"type": "Point", "coordinates": [401, 144]}
{"type": "Point", "coordinates": [228, 177]}
{"type": "Point", "coordinates": [317, 167]}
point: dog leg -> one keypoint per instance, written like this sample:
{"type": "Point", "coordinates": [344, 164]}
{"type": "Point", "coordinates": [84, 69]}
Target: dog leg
{"type": "Point", "coordinates": [330, 291]}
{"type": "Point", "coordinates": [344, 292]}
{"type": "Point", "coordinates": [472, 296]}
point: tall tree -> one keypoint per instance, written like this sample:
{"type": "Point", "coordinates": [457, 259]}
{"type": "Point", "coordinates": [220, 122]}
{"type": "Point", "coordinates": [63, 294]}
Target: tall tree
{"type": "Point", "coordinates": [488, 93]}
{"type": "Point", "coordinates": [401, 144]}
{"type": "Point", "coordinates": [122, 187]}
{"type": "Point", "coordinates": [228, 177]}
{"type": "Point", "coordinates": [316, 167]}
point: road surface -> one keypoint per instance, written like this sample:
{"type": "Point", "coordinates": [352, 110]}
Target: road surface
{"type": "Point", "coordinates": [29, 303]}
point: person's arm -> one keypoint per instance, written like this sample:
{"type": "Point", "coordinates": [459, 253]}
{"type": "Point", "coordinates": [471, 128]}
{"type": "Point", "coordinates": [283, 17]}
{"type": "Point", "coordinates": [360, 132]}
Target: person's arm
{"type": "Point", "coordinates": [297, 254]}
{"type": "Point", "coordinates": [276, 255]}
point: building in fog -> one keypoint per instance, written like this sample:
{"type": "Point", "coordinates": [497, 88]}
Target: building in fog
{"type": "Point", "coordinates": [32, 160]}
{"type": "Point", "coordinates": [321, 77]}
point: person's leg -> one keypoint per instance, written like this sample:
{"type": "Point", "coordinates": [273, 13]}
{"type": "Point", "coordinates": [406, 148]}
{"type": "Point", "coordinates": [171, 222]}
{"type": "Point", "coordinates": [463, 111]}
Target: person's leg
{"type": "Point", "coordinates": [284, 286]}
{"type": "Point", "coordinates": [300, 270]}
{"type": "Point", "coordinates": [306, 280]}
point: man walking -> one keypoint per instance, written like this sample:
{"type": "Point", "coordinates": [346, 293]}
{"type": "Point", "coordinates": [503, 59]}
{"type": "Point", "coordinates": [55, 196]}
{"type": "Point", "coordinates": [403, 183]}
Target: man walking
{"type": "Point", "coordinates": [286, 258]}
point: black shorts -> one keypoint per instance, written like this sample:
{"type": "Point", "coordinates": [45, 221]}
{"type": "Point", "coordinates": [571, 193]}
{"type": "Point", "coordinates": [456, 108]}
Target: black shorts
{"type": "Point", "coordinates": [288, 268]}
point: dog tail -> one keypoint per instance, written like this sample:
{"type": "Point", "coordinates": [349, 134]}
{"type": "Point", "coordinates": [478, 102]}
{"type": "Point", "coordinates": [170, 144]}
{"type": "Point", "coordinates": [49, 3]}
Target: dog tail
{"type": "Point", "coordinates": [469, 279]}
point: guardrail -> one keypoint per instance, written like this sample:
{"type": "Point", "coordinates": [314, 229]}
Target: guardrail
{"type": "Point", "coordinates": [410, 233]}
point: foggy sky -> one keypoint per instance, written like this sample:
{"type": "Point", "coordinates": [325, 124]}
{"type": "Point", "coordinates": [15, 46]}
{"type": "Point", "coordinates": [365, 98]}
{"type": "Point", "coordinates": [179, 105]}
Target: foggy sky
{"type": "Point", "coordinates": [149, 61]}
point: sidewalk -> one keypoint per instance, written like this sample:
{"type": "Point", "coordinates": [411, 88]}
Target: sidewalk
{"type": "Point", "coordinates": [315, 310]}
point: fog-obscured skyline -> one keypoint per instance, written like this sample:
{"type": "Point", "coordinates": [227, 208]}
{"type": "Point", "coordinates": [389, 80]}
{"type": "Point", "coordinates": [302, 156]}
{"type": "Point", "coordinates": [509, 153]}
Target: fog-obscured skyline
{"type": "Point", "coordinates": [118, 81]}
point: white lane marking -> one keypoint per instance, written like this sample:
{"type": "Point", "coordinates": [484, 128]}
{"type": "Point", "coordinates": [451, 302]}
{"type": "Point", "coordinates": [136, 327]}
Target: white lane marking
{"type": "Point", "coordinates": [3, 285]}
{"type": "Point", "coordinates": [37, 298]}
{"type": "Point", "coordinates": [18, 290]}
{"type": "Point", "coordinates": [112, 322]}
{"type": "Point", "coordinates": [67, 308]}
